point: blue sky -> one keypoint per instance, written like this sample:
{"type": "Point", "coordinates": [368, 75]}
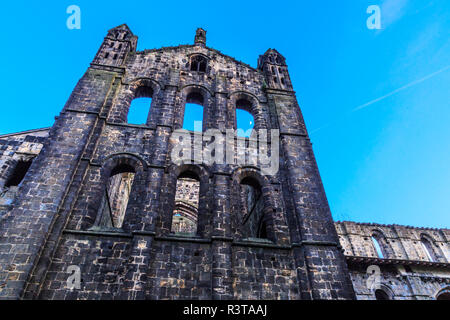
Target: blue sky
{"type": "Point", "coordinates": [376, 102]}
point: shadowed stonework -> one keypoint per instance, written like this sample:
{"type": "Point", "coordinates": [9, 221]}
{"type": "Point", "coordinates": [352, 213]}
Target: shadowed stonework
{"type": "Point", "coordinates": [99, 193]}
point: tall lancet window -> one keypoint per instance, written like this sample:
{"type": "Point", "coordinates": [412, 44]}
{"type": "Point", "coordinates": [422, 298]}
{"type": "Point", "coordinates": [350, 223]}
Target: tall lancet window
{"type": "Point", "coordinates": [185, 214]}
{"type": "Point", "coordinates": [377, 247]}
{"type": "Point", "coordinates": [428, 248]}
{"type": "Point", "coordinates": [116, 196]}
{"type": "Point", "coordinates": [139, 110]}
{"type": "Point", "coordinates": [245, 121]}
{"type": "Point", "coordinates": [252, 206]}
{"type": "Point", "coordinates": [193, 112]}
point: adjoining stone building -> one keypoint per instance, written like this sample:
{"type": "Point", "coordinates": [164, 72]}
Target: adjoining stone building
{"type": "Point", "coordinates": [97, 194]}
{"type": "Point", "coordinates": [412, 263]}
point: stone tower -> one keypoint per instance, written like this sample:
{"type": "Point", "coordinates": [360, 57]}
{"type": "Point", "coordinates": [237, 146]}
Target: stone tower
{"type": "Point", "coordinates": [101, 203]}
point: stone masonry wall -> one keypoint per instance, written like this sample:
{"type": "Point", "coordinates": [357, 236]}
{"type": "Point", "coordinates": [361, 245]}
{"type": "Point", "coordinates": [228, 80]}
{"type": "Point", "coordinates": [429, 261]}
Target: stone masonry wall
{"type": "Point", "coordinates": [406, 270]}
{"type": "Point", "coordinates": [14, 148]}
{"type": "Point", "coordinates": [257, 273]}
{"type": "Point", "coordinates": [55, 222]}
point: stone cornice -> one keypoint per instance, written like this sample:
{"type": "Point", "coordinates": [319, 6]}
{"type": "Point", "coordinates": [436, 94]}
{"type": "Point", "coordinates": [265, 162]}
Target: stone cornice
{"type": "Point", "coordinates": [380, 261]}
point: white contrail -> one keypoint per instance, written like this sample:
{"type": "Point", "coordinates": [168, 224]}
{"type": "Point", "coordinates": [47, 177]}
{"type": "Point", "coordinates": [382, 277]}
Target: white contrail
{"type": "Point", "coordinates": [400, 89]}
{"type": "Point", "coordinates": [365, 105]}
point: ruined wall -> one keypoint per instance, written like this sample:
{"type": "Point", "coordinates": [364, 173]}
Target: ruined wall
{"type": "Point", "coordinates": [299, 256]}
{"type": "Point", "coordinates": [407, 272]}
{"type": "Point", "coordinates": [150, 270]}
{"type": "Point", "coordinates": [13, 149]}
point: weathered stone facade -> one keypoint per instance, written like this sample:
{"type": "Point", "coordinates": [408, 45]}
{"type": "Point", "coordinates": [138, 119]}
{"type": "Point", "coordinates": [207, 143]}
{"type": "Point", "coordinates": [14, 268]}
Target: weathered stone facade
{"type": "Point", "coordinates": [17, 152]}
{"type": "Point", "coordinates": [101, 194]}
{"type": "Point", "coordinates": [413, 262]}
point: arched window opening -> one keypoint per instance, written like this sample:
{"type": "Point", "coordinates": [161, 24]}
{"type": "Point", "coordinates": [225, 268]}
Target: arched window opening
{"type": "Point", "coordinates": [139, 109]}
{"type": "Point", "coordinates": [428, 248]}
{"type": "Point", "coordinates": [244, 119]}
{"type": "Point", "coordinates": [19, 173]}
{"type": "Point", "coordinates": [252, 205]}
{"type": "Point", "coordinates": [106, 55]}
{"type": "Point", "coordinates": [185, 214]}
{"type": "Point", "coordinates": [244, 123]}
{"type": "Point", "coordinates": [262, 232]}
{"type": "Point", "coordinates": [116, 196]}
{"type": "Point", "coordinates": [377, 247]}
{"type": "Point", "coordinates": [244, 104]}
{"type": "Point", "coordinates": [193, 112]}
{"type": "Point", "coordinates": [198, 63]}
{"type": "Point", "coordinates": [381, 295]}
{"type": "Point", "coordinates": [444, 295]}
{"type": "Point", "coordinates": [140, 106]}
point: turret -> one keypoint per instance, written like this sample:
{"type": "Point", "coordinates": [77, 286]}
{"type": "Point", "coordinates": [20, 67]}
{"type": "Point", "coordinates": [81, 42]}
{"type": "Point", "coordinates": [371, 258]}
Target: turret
{"type": "Point", "coordinates": [273, 64]}
{"type": "Point", "coordinates": [200, 37]}
{"type": "Point", "coordinates": [116, 46]}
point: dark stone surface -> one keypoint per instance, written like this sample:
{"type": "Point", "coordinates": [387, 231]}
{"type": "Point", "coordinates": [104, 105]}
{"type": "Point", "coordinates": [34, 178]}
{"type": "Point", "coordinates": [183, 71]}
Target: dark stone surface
{"type": "Point", "coordinates": [50, 227]}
